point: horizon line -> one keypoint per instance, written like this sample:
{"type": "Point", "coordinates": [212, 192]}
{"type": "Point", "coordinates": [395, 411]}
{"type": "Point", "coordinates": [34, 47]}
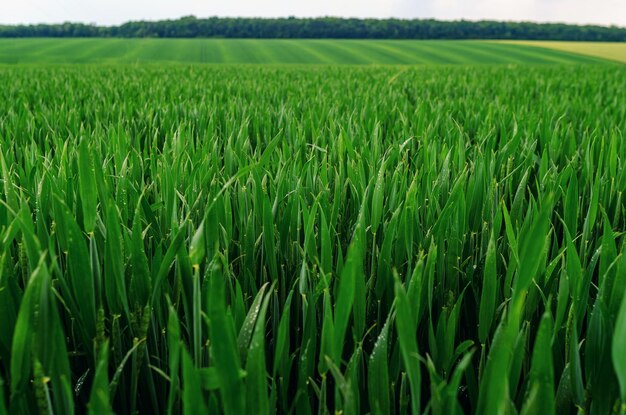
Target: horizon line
{"type": "Point", "coordinates": [470, 20]}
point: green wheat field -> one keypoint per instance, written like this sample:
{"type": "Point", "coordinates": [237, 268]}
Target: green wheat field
{"type": "Point", "coordinates": [181, 238]}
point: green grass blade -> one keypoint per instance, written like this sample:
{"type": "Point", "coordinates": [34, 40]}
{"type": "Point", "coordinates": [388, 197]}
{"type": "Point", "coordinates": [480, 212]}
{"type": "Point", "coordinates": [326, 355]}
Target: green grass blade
{"type": "Point", "coordinates": [617, 349]}
{"type": "Point", "coordinates": [352, 270]}
{"type": "Point", "coordinates": [540, 398]}
{"type": "Point", "coordinates": [193, 401]}
{"type": "Point", "coordinates": [406, 328]}
{"type": "Point", "coordinates": [99, 398]}
{"type": "Point", "coordinates": [256, 379]}
{"type": "Point", "coordinates": [224, 346]}
{"type": "Point", "coordinates": [494, 385]}
{"type": "Point", "coordinates": [114, 264]}
{"type": "Point", "coordinates": [248, 328]}
{"type": "Point", "coordinates": [87, 186]}
{"type": "Point", "coordinates": [488, 293]}
{"type": "Point", "coordinates": [378, 372]}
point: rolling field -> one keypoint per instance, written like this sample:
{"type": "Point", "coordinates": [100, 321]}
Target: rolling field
{"type": "Point", "coordinates": [275, 51]}
{"type": "Point", "coordinates": [603, 50]}
{"type": "Point", "coordinates": [312, 240]}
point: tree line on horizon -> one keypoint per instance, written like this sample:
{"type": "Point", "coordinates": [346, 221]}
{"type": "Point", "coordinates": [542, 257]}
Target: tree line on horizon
{"type": "Point", "coordinates": [323, 28]}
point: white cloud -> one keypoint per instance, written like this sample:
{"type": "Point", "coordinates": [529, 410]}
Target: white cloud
{"type": "Point", "coordinates": [604, 12]}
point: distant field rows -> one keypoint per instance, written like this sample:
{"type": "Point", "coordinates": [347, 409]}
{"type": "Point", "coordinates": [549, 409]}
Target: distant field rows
{"type": "Point", "coordinates": [278, 51]}
{"type": "Point", "coordinates": [604, 50]}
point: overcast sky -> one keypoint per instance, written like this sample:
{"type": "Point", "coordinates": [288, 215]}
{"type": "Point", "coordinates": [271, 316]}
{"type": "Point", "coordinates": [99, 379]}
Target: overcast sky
{"type": "Point", "coordinates": [108, 12]}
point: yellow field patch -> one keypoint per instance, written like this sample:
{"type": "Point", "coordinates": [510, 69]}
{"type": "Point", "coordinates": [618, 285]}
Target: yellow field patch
{"type": "Point", "coordinates": [615, 51]}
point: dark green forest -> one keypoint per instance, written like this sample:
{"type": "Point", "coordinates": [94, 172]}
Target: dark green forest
{"type": "Point", "coordinates": [324, 28]}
